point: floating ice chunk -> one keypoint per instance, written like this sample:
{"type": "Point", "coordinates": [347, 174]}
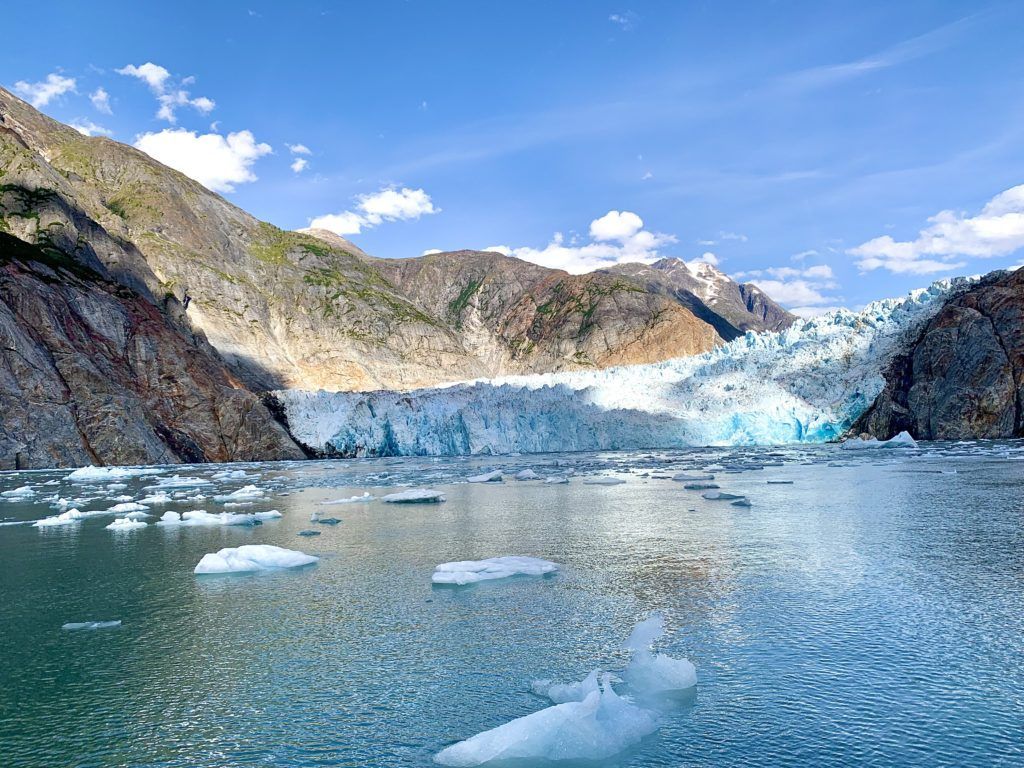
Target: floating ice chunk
{"type": "Point", "coordinates": [486, 477]}
{"type": "Point", "coordinates": [22, 492]}
{"type": "Point", "coordinates": [126, 524]}
{"type": "Point", "coordinates": [200, 517]}
{"type": "Point", "coordinates": [720, 496]}
{"type": "Point", "coordinates": [180, 481]}
{"type": "Point", "coordinates": [76, 625]}
{"type": "Point", "coordinates": [558, 480]}
{"type": "Point", "coordinates": [599, 727]}
{"type": "Point", "coordinates": [98, 474]}
{"type": "Point", "coordinates": [156, 498]}
{"type": "Point", "coordinates": [560, 693]}
{"type": "Point", "coordinates": [414, 496]}
{"type": "Point", "coordinates": [603, 480]}
{"type": "Point", "coordinates": [527, 474]}
{"type": "Point", "coordinates": [64, 518]}
{"type": "Point", "coordinates": [129, 506]}
{"type": "Point", "coordinates": [742, 503]}
{"type": "Point", "coordinates": [701, 486]}
{"type": "Point", "coordinates": [117, 486]}
{"type": "Point", "coordinates": [308, 532]}
{"type": "Point", "coordinates": [350, 500]}
{"type": "Point", "coordinates": [683, 477]}
{"type": "Point", "coordinates": [472, 571]}
{"type": "Point", "coordinates": [252, 557]}
{"type": "Point", "coordinates": [902, 440]}
{"type": "Point", "coordinates": [327, 520]}
{"type": "Point", "coordinates": [231, 474]}
{"type": "Point", "coordinates": [270, 514]}
{"type": "Point", "coordinates": [652, 673]}
{"type": "Point", "coordinates": [236, 504]}
{"type": "Point", "coordinates": [246, 492]}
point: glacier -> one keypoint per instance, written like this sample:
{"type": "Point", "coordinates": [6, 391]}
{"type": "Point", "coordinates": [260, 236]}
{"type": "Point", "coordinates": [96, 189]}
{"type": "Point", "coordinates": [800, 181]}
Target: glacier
{"type": "Point", "coordinates": [808, 383]}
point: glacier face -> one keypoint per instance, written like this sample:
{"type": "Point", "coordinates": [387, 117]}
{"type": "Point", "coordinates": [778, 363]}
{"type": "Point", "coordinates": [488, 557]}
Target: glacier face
{"type": "Point", "coordinates": [805, 384]}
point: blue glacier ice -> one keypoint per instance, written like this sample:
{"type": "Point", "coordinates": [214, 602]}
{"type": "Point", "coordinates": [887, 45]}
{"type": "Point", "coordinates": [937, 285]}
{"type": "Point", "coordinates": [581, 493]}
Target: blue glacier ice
{"type": "Point", "coordinates": [808, 383]}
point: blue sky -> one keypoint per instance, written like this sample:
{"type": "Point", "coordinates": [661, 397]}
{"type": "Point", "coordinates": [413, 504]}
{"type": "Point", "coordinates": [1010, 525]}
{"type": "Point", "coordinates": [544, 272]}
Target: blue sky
{"type": "Point", "coordinates": [835, 153]}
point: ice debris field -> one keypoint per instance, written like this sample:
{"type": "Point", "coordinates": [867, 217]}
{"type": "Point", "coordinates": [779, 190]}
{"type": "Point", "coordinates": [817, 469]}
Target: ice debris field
{"type": "Point", "coordinates": [808, 383]}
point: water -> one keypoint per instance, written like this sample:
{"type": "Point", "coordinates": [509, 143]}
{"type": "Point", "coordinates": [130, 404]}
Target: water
{"type": "Point", "coordinates": [868, 614]}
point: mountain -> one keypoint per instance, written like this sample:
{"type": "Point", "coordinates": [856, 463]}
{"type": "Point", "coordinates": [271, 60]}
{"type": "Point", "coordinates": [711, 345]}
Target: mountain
{"type": "Point", "coordinates": [309, 309]}
{"type": "Point", "coordinates": [730, 308]}
{"type": "Point", "coordinates": [92, 372]}
{"type": "Point", "coordinates": [962, 376]}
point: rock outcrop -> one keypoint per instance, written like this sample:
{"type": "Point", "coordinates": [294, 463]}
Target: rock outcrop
{"type": "Point", "coordinates": [93, 372]}
{"type": "Point", "coordinates": [962, 377]}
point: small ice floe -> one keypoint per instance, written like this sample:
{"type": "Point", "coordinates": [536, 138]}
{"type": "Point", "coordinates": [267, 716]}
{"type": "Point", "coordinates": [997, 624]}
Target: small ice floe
{"type": "Point", "coordinates": [603, 480]}
{"type": "Point", "coordinates": [117, 486]}
{"type": "Point", "coordinates": [597, 728]}
{"type": "Point", "coordinates": [701, 486]}
{"type": "Point", "coordinates": [742, 502]}
{"type": "Point", "coordinates": [231, 474]}
{"type": "Point", "coordinates": [414, 496]}
{"type": "Point", "coordinates": [200, 517]}
{"type": "Point", "coordinates": [527, 474]}
{"type": "Point", "coordinates": [683, 477]}
{"type": "Point", "coordinates": [486, 477]}
{"type": "Point", "coordinates": [100, 474]}
{"type": "Point", "coordinates": [720, 496]}
{"type": "Point", "coordinates": [76, 625]}
{"type": "Point", "coordinates": [328, 520]}
{"type": "Point", "coordinates": [653, 673]}
{"type": "Point", "coordinates": [366, 497]}
{"type": "Point", "coordinates": [237, 504]}
{"type": "Point", "coordinates": [558, 480]}
{"type": "Point", "coordinates": [472, 571]}
{"type": "Point", "coordinates": [64, 518]}
{"type": "Point", "coordinates": [156, 498]}
{"type": "Point", "coordinates": [23, 492]}
{"type": "Point", "coordinates": [270, 514]}
{"type": "Point", "coordinates": [308, 532]}
{"type": "Point", "coordinates": [181, 481]}
{"type": "Point", "coordinates": [126, 524]}
{"type": "Point", "coordinates": [128, 506]}
{"type": "Point", "coordinates": [902, 440]}
{"type": "Point", "coordinates": [250, 558]}
{"type": "Point", "coordinates": [242, 494]}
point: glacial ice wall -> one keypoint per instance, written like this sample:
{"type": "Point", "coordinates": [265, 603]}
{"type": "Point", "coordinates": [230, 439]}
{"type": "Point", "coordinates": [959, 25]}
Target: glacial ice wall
{"type": "Point", "coordinates": [805, 384]}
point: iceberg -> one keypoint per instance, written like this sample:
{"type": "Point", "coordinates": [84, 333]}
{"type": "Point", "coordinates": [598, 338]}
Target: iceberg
{"type": "Point", "coordinates": [557, 480]}
{"type": "Point", "coordinates": [200, 517]}
{"type": "Point", "coordinates": [76, 625]}
{"type": "Point", "coordinates": [651, 673]}
{"type": "Point", "coordinates": [486, 477]}
{"type": "Point", "coordinates": [245, 493]}
{"type": "Point", "coordinates": [599, 727]}
{"type": "Point", "coordinates": [93, 474]}
{"type": "Point", "coordinates": [128, 506]}
{"type": "Point", "coordinates": [559, 693]}
{"type": "Point", "coordinates": [527, 474]}
{"type": "Point", "coordinates": [473, 571]}
{"type": "Point", "coordinates": [808, 383]}
{"type": "Point", "coordinates": [23, 492]}
{"type": "Point", "coordinates": [64, 518]}
{"type": "Point", "coordinates": [126, 524]}
{"type": "Point", "coordinates": [603, 480]}
{"type": "Point", "coordinates": [366, 497]}
{"type": "Point", "coordinates": [413, 496]}
{"type": "Point", "coordinates": [902, 440]}
{"type": "Point", "coordinates": [250, 558]}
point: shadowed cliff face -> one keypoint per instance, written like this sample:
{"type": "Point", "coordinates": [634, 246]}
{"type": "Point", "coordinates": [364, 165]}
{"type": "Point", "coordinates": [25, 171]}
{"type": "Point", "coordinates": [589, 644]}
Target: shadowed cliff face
{"type": "Point", "coordinates": [963, 376]}
{"type": "Point", "coordinates": [93, 372]}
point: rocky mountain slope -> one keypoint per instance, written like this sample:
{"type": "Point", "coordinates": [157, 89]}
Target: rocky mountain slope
{"type": "Point", "coordinates": [963, 376]}
{"type": "Point", "coordinates": [93, 372]}
{"type": "Point", "coordinates": [309, 309]}
{"type": "Point", "coordinates": [730, 308]}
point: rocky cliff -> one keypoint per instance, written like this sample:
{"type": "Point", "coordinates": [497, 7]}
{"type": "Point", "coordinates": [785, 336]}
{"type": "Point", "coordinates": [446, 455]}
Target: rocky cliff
{"type": "Point", "coordinates": [962, 376]}
{"type": "Point", "coordinates": [93, 372]}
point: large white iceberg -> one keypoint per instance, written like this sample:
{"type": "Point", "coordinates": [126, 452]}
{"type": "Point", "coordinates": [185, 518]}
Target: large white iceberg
{"type": "Point", "coordinates": [902, 440]}
{"type": "Point", "coordinates": [252, 557]}
{"type": "Point", "coordinates": [126, 524]}
{"type": "Point", "coordinates": [472, 571]}
{"type": "Point", "coordinates": [414, 496]}
{"type": "Point", "coordinates": [599, 727]}
{"type": "Point", "coordinates": [64, 518]}
{"type": "Point", "coordinates": [92, 474]}
{"type": "Point", "coordinates": [200, 517]}
{"type": "Point", "coordinates": [808, 383]}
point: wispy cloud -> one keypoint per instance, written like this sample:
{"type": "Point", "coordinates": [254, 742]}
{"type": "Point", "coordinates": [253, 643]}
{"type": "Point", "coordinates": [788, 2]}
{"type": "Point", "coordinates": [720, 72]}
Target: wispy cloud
{"type": "Point", "coordinates": [42, 93]}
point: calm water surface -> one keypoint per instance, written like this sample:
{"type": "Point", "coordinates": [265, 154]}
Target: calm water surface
{"type": "Point", "coordinates": [871, 613]}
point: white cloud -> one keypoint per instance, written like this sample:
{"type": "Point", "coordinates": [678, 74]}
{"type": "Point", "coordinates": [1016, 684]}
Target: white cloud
{"type": "Point", "coordinates": [153, 75]}
{"type": "Point", "coordinates": [707, 258]}
{"type": "Point", "coordinates": [803, 287]}
{"type": "Point", "coordinates": [298, 149]}
{"type": "Point", "coordinates": [214, 161]}
{"type": "Point", "coordinates": [389, 204]}
{"type": "Point", "coordinates": [998, 230]}
{"type": "Point", "coordinates": [42, 93]}
{"type": "Point", "coordinates": [803, 255]}
{"type": "Point", "coordinates": [733, 236]}
{"type": "Point", "coordinates": [300, 164]}
{"type": "Point", "coordinates": [158, 79]}
{"type": "Point", "coordinates": [627, 21]}
{"type": "Point", "coordinates": [617, 236]}
{"type": "Point", "coordinates": [101, 101]}
{"type": "Point", "coordinates": [89, 128]}
{"type": "Point", "coordinates": [431, 251]}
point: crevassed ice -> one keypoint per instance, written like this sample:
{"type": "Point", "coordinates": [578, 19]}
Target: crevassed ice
{"type": "Point", "coordinates": [805, 384]}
